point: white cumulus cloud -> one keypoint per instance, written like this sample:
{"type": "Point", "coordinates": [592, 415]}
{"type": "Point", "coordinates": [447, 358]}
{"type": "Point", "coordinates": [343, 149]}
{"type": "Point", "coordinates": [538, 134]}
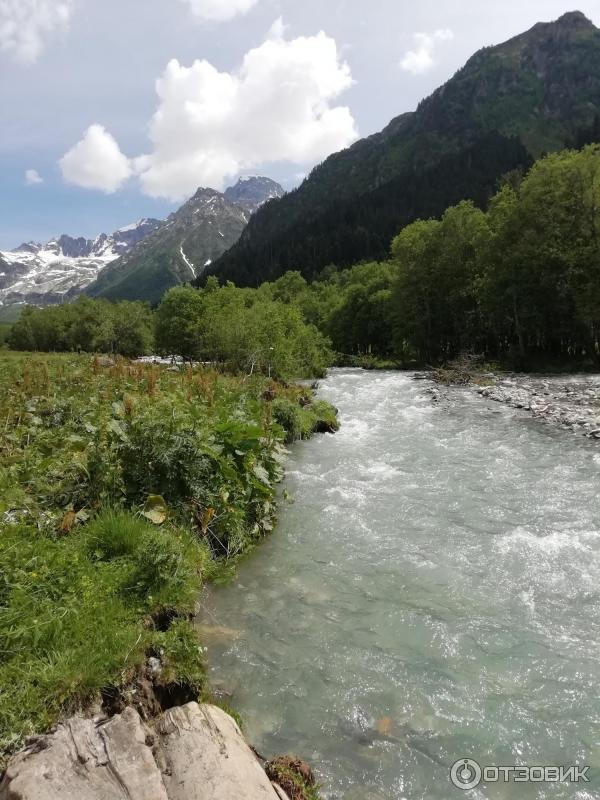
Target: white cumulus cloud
{"type": "Point", "coordinates": [422, 58]}
{"type": "Point", "coordinates": [26, 25]}
{"type": "Point", "coordinates": [33, 177]}
{"type": "Point", "coordinates": [96, 162]}
{"type": "Point", "coordinates": [220, 10]}
{"type": "Point", "coordinates": [278, 106]}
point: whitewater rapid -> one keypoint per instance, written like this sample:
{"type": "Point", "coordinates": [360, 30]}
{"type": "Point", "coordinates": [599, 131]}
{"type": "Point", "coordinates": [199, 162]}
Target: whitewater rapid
{"type": "Point", "coordinates": [432, 593]}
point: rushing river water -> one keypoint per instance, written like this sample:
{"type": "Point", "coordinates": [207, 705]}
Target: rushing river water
{"type": "Point", "coordinates": [432, 593]}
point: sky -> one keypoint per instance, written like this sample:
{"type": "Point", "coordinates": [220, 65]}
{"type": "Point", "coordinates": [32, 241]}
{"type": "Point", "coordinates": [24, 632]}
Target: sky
{"type": "Point", "coordinates": [114, 110]}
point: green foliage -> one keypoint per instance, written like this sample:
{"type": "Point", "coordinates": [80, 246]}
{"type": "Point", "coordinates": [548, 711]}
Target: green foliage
{"type": "Point", "coordinates": [434, 305]}
{"type": "Point", "coordinates": [300, 419]}
{"type": "Point", "coordinates": [294, 776]}
{"type": "Point", "coordinates": [289, 415]}
{"type": "Point", "coordinates": [517, 284]}
{"type": "Point", "coordinates": [113, 534]}
{"type": "Point", "coordinates": [5, 328]}
{"type": "Point", "coordinates": [321, 224]}
{"type": "Point", "coordinates": [70, 624]}
{"type": "Point", "coordinates": [241, 329]}
{"type": "Point", "coordinates": [509, 104]}
{"type": "Point", "coordinates": [85, 452]}
{"type": "Point", "coordinates": [165, 566]}
{"type": "Point", "coordinates": [88, 325]}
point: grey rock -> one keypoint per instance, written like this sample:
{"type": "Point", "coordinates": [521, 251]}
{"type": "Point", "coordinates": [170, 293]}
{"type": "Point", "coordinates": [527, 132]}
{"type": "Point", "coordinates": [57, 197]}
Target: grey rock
{"type": "Point", "coordinates": [572, 406]}
{"type": "Point", "coordinates": [250, 193]}
{"type": "Point", "coordinates": [192, 753]}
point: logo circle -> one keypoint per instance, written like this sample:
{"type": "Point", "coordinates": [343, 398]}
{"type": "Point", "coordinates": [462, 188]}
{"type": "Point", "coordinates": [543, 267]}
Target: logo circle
{"type": "Point", "coordinates": [465, 774]}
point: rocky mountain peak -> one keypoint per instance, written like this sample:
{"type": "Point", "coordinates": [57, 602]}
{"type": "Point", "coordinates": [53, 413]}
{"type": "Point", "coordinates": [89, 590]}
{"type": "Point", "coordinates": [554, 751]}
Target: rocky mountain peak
{"type": "Point", "coordinates": [60, 269]}
{"type": "Point", "coordinates": [251, 192]}
{"type": "Point", "coordinates": [575, 19]}
{"type": "Point", "coordinates": [28, 247]}
{"type": "Point", "coordinates": [73, 248]}
{"type": "Point", "coordinates": [194, 236]}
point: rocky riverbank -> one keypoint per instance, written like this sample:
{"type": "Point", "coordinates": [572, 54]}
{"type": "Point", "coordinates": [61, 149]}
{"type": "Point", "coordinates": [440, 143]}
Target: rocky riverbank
{"type": "Point", "coordinates": [570, 402]}
{"type": "Point", "coordinates": [193, 752]}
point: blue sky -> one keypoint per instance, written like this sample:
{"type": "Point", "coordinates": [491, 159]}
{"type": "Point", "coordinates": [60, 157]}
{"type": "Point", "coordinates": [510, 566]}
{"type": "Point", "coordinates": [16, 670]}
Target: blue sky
{"type": "Point", "coordinates": [97, 62]}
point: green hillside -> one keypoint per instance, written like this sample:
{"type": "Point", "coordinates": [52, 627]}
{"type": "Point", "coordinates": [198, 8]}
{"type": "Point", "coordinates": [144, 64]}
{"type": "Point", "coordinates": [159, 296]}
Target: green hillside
{"type": "Point", "coordinates": [507, 106]}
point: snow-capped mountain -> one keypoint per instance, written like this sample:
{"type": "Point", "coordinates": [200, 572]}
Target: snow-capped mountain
{"type": "Point", "coordinates": [43, 274]}
{"type": "Point", "coordinates": [194, 236]}
{"type": "Point", "coordinates": [145, 258]}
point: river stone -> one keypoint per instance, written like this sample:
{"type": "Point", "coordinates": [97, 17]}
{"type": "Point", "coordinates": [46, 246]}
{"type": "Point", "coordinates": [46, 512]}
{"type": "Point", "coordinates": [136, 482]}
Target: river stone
{"type": "Point", "coordinates": [192, 753]}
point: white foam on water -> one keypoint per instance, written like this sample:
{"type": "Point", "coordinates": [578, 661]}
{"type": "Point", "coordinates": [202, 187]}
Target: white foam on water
{"type": "Point", "coordinates": [379, 470]}
{"type": "Point", "coordinates": [522, 540]}
{"type": "Point", "coordinates": [355, 429]}
{"type": "Point", "coordinates": [439, 569]}
{"type": "Point", "coordinates": [528, 599]}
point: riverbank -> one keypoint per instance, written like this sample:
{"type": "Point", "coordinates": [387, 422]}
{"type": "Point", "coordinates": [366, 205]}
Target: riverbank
{"type": "Point", "coordinates": [569, 402]}
{"type": "Point", "coordinates": [124, 488]}
{"type": "Point", "coordinates": [191, 752]}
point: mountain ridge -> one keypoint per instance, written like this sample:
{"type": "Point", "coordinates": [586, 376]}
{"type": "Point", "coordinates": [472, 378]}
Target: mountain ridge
{"type": "Point", "coordinates": [61, 268]}
{"type": "Point", "coordinates": [185, 244]}
{"type": "Point", "coordinates": [517, 100]}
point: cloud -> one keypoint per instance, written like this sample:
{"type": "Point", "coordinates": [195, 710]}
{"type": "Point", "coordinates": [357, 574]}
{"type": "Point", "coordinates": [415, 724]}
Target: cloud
{"type": "Point", "coordinates": [220, 10]}
{"type": "Point", "coordinates": [33, 177]}
{"type": "Point", "coordinates": [96, 162]}
{"type": "Point", "coordinates": [278, 106]}
{"type": "Point", "coordinates": [25, 25]}
{"type": "Point", "coordinates": [210, 126]}
{"type": "Point", "coordinates": [421, 59]}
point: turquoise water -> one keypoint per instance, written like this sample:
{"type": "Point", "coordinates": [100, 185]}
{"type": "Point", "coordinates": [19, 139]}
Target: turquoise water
{"type": "Point", "coordinates": [432, 593]}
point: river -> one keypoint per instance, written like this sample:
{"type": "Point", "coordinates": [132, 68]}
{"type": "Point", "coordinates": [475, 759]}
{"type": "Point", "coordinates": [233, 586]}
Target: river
{"type": "Point", "coordinates": [432, 593]}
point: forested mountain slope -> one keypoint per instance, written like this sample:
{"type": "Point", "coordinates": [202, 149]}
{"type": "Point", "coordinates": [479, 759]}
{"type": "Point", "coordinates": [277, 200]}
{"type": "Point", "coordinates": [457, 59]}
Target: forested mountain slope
{"type": "Point", "coordinates": [507, 106]}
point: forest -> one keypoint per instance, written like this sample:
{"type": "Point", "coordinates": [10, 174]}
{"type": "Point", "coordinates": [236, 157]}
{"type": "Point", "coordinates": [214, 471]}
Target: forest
{"type": "Point", "coordinates": [518, 283]}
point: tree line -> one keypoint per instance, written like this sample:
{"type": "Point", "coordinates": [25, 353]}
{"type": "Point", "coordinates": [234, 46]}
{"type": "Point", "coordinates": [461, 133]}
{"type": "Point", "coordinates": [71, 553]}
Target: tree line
{"type": "Point", "coordinates": [240, 330]}
{"type": "Point", "coordinates": [518, 283]}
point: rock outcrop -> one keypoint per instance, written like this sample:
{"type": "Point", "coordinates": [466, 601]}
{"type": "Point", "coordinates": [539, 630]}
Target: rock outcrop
{"type": "Point", "coordinates": [193, 752]}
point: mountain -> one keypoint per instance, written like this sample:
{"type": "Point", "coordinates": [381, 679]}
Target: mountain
{"type": "Point", "coordinates": [43, 274]}
{"type": "Point", "coordinates": [186, 244]}
{"type": "Point", "coordinates": [508, 105]}
{"type": "Point", "coordinates": [252, 192]}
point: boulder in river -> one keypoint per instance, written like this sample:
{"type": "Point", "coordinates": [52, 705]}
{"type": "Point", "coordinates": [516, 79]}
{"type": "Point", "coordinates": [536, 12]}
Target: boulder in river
{"type": "Point", "coordinates": [192, 752]}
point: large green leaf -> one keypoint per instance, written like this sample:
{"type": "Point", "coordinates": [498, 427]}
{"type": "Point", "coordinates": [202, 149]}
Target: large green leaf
{"type": "Point", "coordinates": [155, 509]}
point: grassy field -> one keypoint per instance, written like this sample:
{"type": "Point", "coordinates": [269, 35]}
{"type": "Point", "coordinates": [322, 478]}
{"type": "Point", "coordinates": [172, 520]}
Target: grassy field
{"type": "Point", "coordinates": [123, 487]}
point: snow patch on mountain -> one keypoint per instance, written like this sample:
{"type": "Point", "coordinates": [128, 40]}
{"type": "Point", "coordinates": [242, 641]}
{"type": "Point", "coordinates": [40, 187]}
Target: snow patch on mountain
{"type": "Point", "coordinates": [44, 274]}
{"type": "Point", "coordinates": [187, 261]}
